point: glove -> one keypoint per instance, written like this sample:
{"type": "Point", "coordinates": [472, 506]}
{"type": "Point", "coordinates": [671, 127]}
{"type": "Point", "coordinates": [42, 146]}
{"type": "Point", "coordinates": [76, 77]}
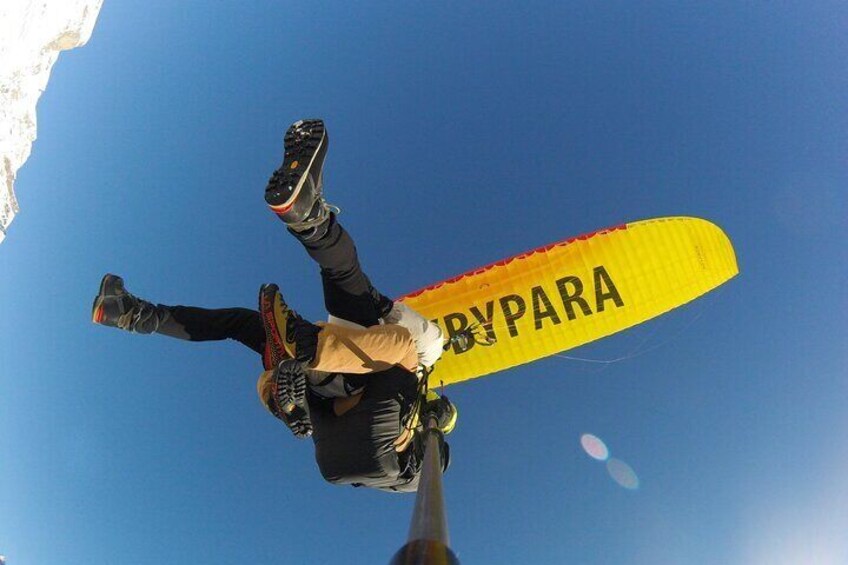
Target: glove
{"type": "Point", "coordinates": [442, 409]}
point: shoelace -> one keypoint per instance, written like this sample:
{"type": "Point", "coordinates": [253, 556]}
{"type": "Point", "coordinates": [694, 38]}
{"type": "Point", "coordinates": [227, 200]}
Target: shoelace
{"type": "Point", "coordinates": [319, 219]}
{"type": "Point", "coordinates": [126, 321]}
{"type": "Point", "coordinates": [130, 319]}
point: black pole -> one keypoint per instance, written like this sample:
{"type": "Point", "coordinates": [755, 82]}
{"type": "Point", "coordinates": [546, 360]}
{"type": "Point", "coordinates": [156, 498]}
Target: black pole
{"type": "Point", "coordinates": [428, 541]}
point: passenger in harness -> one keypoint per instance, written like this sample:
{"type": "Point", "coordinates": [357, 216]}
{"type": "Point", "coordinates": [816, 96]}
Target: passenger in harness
{"type": "Point", "coordinates": [356, 385]}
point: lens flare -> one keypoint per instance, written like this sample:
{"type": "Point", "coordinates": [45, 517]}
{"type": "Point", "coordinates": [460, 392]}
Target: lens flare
{"type": "Point", "coordinates": [622, 473]}
{"type": "Point", "coordinates": [594, 447]}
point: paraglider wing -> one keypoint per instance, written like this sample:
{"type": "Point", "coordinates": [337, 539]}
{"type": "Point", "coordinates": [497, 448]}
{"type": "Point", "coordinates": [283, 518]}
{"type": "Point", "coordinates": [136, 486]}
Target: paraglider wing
{"type": "Point", "coordinates": [572, 292]}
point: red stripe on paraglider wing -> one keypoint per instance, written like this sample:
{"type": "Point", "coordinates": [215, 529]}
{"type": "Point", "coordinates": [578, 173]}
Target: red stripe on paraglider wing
{"type": "Point", "coordinates": [508, 260]}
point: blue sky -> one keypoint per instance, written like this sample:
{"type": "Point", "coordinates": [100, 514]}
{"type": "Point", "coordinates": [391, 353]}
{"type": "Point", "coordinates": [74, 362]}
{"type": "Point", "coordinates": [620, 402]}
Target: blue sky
{"type": "Point", "coordinates": [459, 135]}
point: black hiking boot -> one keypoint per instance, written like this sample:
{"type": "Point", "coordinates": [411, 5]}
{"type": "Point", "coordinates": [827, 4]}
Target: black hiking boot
{"type": "Point", "coordinates": [115, 307]}
{"type": "Point", "coordinates": [294, 191]}
{"type": "Point", "coordinates": [290, 404]}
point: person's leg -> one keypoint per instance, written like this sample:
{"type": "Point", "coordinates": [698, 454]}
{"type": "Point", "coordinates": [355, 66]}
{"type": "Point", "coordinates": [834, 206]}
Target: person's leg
{"type": "Point", "coordinates": [348, 292]}
{"type": "Point", "coordinates": [201, 324]}
{"type": "Point", "coordinates": [295, 194]}
{"type": "Point", "coordinates": [332, 348]}
{"type": "Point", "coordinates": [360, 351]}
{"type": "Point", "coordinates": [115, 306]}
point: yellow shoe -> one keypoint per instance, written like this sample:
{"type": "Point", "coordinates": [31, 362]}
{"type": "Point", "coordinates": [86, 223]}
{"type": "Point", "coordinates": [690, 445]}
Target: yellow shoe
{"type": "Point", "coordinates": [279, 341]}
{"type": "Point", "coordinates": [442, 409]}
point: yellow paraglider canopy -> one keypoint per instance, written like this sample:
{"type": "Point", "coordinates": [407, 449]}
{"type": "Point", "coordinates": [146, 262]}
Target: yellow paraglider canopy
{"type": "Point", "coordinates": [573, 292]}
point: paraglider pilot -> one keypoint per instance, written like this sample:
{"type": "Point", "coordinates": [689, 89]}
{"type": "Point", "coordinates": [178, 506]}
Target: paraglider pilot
{"type": "Point", "coordinates": [356, 384]}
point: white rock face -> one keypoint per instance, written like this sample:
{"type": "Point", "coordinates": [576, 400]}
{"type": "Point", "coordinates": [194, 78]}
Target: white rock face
{"type": "Point", "coordinates": [32, 33]}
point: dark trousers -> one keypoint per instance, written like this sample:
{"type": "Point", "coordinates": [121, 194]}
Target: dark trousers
{"type": "Point", "coordinates": [348, 294]}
